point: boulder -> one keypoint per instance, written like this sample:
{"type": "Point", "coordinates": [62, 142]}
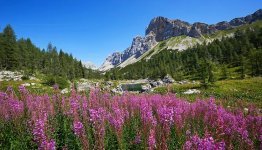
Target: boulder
{"type": "Point", "coordinates": [117, 90]}
{"type": "Point", "coordinates": [146, 88]}
{"type": "Point", "coordinates": [153, 83]}
{"type": "Point", "coordinates": [83, 86]}
{"type": "Point", "coordinates": [65, 91]}
{"type": "Point", "coordinates": [192, 91]}
{"type": "Point", "coordinates": [183, 82]}
{"type": "Point", "coordinates": [168, 79]}
{"type": "Point", "coordinates": [109, 83]}
{"type": "Point", "coordinates": [160, 82]}
{"type": "Point", "coordinates": [26, 84]}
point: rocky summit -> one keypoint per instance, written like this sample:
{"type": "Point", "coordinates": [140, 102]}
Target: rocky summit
{"type": "Point", "coordinates": [161, 28]}
{"type": "Point", "coordinates": [165, 28]}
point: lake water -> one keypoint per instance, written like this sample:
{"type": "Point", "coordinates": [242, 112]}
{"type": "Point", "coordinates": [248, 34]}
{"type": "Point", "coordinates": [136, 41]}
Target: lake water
{"type": "Point", "coordinates": [131, 87]}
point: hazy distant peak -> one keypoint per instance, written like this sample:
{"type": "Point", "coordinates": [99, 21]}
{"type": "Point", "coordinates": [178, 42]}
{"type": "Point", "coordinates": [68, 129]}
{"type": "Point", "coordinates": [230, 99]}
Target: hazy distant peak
{"type": "Point", "coordinates": [90, 65]}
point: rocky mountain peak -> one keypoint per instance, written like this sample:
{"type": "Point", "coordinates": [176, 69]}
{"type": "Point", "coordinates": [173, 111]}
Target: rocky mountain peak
{"type": "Point", "coordinates": [164, 28]}
{"type": "Point", "coordinates": [89, 65]}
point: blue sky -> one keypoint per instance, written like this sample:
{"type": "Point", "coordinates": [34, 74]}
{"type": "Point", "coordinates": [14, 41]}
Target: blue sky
{"type": "Point", "coordinates": [91, 30]}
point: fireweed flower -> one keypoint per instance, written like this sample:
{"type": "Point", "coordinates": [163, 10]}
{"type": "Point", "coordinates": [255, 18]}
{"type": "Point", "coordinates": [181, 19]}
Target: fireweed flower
{"type": "Point", "coordinates": [137, 139]}
{"type": "Point", "coordinates": [188, 132]}
{"type": "Point", "coordinates": [78, 128]}
{"type": "Point", "coordinates": [74, 106]}
{"type": "Point", "coordinates": [147, 114]}
{"type": "Point", "coordinates": [207, 143]}
{"type": "Point", "coordinates": [10, 107]}
{"type": "Point", "coordinates": [56, 87]}
{"type": "Point", "coordinates": [116, 119]}
{"type": "Point", "coordinates": [39, 131]}
{"type": "Point", "coordinates": [166, 115]}
{"type": "Point", "coordinates": [151, 140]}
{"type": "Point", "coordinates": [51, 145]}
{"type": "Point", "coordinates": [97, 118]}
{"type": "Point", "coordinates": [47, 145]}
{"type": "Point", "coordinates": [16, 107]}
{"type": "Point", "coordinates": [22, 89]}
{"type": "Point", "coordinates": [9, 89]}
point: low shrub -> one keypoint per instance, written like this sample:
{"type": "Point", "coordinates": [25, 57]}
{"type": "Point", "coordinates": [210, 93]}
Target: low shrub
{"type": "Point", "coordinates": [60, 81]}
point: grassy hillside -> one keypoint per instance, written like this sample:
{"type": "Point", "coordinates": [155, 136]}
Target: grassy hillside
{"type": "Point", "coordinates": [232, 93]}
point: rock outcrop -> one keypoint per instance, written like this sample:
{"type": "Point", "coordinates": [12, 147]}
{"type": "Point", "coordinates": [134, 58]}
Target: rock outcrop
{"type": "Point", "coordinates": [168, 79]}
{"type": "Point", "coordinates": [165, 28]}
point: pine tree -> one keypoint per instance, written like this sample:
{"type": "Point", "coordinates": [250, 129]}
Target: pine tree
{"type": "Point", "coordinates": [224, 72]}
{"type": "Point", "coordinates": [2, 52]}
{"type": "Point", "coordinates": [242, 67]}
{"type": "Point", "coordinates": [10, 48]}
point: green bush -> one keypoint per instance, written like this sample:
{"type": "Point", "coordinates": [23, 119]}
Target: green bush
{"type": "Point", "coordinates": [25, 77]}
{"type": "Point", "coordinates": [161, 90]}
{"type": "Point", "coordinates": [60, 81]}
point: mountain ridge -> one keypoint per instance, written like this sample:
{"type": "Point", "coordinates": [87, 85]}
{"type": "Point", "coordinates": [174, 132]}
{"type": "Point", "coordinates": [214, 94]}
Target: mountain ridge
{"type": "Point", "coordinates": [161, 28]}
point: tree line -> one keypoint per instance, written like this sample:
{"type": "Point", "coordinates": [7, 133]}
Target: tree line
{"type": "Point", "coordinates": [22, 54]}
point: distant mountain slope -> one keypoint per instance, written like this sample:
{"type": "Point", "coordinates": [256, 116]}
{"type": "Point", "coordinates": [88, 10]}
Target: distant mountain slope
{"type": "Point", "coordinates": [89, 65]}
{"type": "Point", "coordinates": [139, 46]}
{"type": "Point", "coordinates": [234, 53]}
{"type": "Point", "coordinates": [179, 34]}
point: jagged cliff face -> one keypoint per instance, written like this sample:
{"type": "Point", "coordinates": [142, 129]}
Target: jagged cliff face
{"type": "Point", "coordinates": [165, 28]}
{"type": "Point", "coordinates": [161, 28]}
{"type": "Point", "coordinates": [138, 47]}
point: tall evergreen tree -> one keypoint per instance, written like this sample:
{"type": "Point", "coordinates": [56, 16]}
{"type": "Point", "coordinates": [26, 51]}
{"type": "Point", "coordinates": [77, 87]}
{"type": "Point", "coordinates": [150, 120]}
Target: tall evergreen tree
{"type": "Point", "coordinates": [10, 48]}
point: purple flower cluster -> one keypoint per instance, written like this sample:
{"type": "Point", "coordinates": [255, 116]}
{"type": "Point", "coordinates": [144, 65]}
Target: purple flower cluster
{"type": "Point", "coordinates": [97, 118]}
{"type": "Point", "coordinates": [48, 145]}
{"type": "Point", "coordinates": [10, 107]}
{"type": "Point", "coordinates": [40, 136]}
{"type": "Point", "coordinates": [78, 128]}
{"type": "Point", "coordinates": [39, 131]}
{"type": "Point", "coordinates": [22, 89]}
{"type": "Point", "coordinates": [147, 114]}
{"type": "Point", "coordinates": [228, 124]}
{"type": "Point", "coordinates": [166, 115]}
{"type": "Point", "coordinates": [207, 143]}
{"type": "Point", "coordinates": [117, 118]}
{"type": "Point", "coordinates": [74, 106]}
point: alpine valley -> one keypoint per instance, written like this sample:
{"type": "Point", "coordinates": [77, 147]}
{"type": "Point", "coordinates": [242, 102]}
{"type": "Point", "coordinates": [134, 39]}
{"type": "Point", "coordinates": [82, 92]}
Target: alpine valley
{"type": "Point", "coordinates": [181, 86]}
